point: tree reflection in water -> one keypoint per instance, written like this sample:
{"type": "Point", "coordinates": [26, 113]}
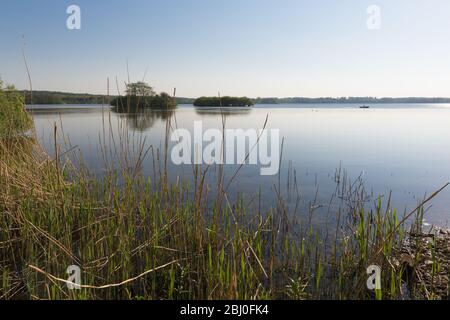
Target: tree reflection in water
{"type": "Point", "coordinates": [226, 111]}
{"type": "Point", "coordinates": [143, 119]}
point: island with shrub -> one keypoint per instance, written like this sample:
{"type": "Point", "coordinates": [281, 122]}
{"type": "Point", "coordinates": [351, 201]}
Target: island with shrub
{"type": "Point", "coordinates": [223, 102]}
{"type": "Point", "coordinates": [140, 95]}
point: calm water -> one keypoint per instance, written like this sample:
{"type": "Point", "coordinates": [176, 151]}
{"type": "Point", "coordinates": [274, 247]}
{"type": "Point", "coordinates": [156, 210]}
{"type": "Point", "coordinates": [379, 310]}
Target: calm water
{"type": "Point", "coordinates": [400, 148]}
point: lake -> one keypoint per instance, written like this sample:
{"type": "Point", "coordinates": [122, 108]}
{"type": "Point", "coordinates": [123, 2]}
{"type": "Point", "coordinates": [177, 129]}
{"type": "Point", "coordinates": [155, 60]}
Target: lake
{"type": "Point", "coordinates": [403, 149]}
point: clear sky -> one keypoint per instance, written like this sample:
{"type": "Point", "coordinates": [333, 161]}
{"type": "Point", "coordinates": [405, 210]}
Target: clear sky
{"type": "Point", "coordinates": [256, 48]}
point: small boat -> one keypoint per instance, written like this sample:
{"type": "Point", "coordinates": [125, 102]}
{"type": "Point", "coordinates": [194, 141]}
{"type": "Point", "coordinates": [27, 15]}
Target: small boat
{"type": "Point", "coordinates": [364, 107]}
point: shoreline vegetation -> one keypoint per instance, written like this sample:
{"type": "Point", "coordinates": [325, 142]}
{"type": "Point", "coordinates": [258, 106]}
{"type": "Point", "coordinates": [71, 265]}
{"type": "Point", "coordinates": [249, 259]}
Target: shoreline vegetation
{"type": "Point", "coordinates": [54, 97]}
{"type": "Point", "coordinates": [13, 117]}
{"type": "Point", "coordinates": [144, 237]}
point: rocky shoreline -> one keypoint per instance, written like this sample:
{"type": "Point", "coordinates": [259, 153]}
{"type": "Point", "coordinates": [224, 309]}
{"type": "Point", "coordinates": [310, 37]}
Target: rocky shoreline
{"type": "Point", "coordinates": [425, 260]}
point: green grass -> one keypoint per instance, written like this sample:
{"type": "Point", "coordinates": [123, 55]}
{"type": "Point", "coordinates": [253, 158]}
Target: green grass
{"type": "Point", "coordinates": [141, 237]}
{"type": "Point", "coordinates": [13, 117]}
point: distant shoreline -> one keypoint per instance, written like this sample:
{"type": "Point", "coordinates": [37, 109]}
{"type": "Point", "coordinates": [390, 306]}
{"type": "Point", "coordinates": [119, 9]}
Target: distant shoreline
{"type": "Point", "coordinates": [55, 98]}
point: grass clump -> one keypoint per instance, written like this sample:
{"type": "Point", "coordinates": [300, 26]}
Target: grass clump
{"type": "Point", "coordinates": [13, 117]}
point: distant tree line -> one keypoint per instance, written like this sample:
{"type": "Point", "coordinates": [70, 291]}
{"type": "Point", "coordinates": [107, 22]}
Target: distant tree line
{"type": "Point", "coordinates": [181, 100]}
{"type": "Point", "coordinates": [54, 97]}
{"type": "Point", "coordinates": [223, 102]}
{"type": "Point", "coordinates": [51, 97]}
{"type": "Point", "coordinates": [348, 100]}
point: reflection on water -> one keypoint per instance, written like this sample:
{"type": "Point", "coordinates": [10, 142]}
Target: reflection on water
{"type": "Point", "coordinates": [226, 111]}
{"type": "Point", "coordinates": [400, 148]}
{"type": "Point", "coordinates": [142, 120]}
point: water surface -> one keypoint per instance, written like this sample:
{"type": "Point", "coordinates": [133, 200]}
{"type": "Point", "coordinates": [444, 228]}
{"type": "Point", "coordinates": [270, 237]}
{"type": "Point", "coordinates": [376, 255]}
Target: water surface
{"type": "Point", "coordinates": [403, 148]}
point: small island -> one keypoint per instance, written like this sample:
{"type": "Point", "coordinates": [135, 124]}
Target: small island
{"type": "Point", "coordinates": [140, 95]}
{"type": "Point", "coordinates": [223, 102]}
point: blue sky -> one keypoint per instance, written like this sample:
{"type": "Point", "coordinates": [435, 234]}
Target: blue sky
{"type": "Point", "coordinates": [238, 47]}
